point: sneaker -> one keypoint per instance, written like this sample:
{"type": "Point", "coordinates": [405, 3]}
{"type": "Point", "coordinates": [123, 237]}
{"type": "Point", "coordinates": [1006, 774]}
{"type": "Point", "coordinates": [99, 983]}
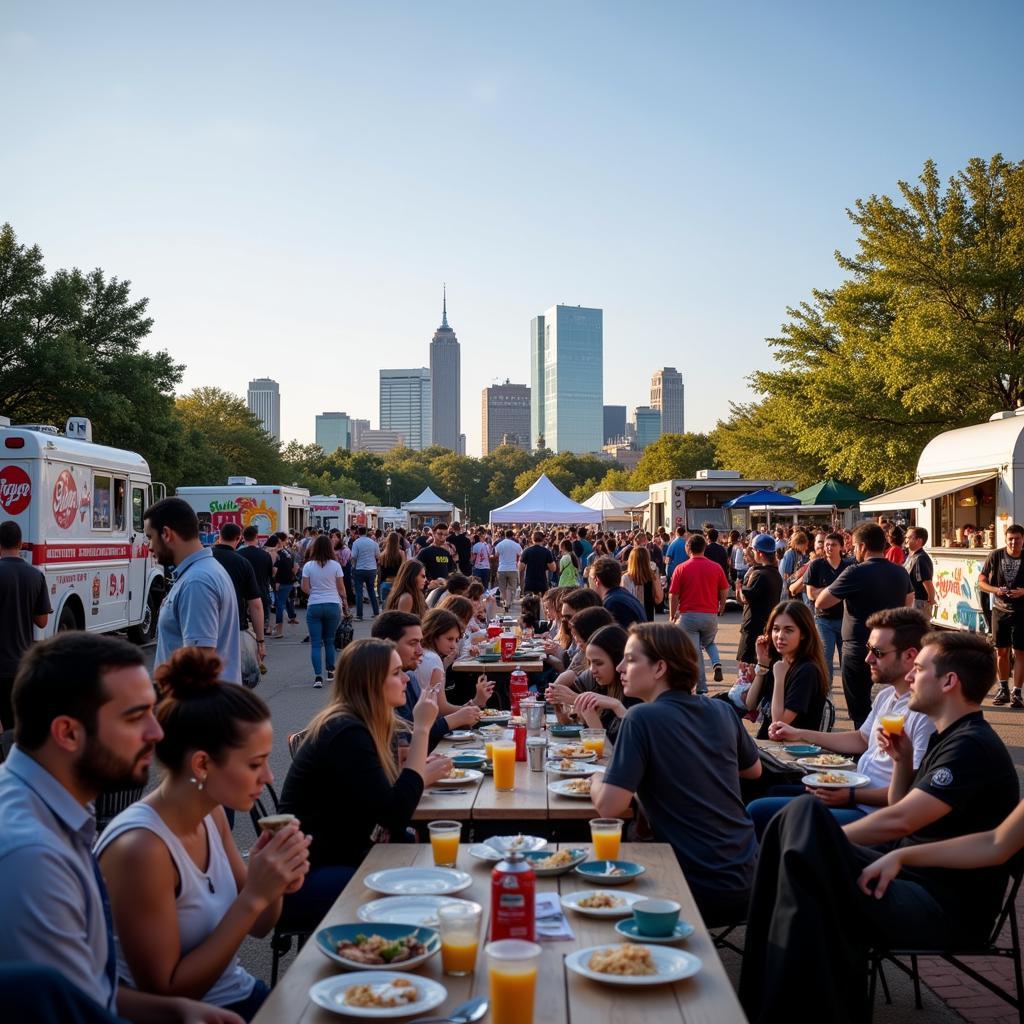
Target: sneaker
{"type": "Point", "coordinates": [1002, 697]}
{"type": "Point", "coordinates": [318, 683]}
{"type": "Point", "coordinates": [293, 622]}
{"type": "Point", "coordinates": [718, 673]}
{"type": "Point", "coordinates": [1016, 701]}
{"type": "Point", "coordinates": [330, 677]}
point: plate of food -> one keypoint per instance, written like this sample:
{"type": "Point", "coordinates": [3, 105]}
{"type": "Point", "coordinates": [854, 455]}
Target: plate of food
{"type": "Point", "coordinates": [547, 864]}
{"type": "Point", "coordinates": [418, 881]}
{"type": "Point", "coordinates": [515, 844]}
{"type": "Point", "coordinates": [378, 995]}
{"type": "Point", "coordinates": [414, 911]}
{"type": "Point", "coordinates": [378, 947]}
{"type": "Point", "coordinates": [601, 903]}
{"type": "Point", "coordinates": [826, 761]}
{"type": "Point", "coordinates": [492, 716]}
{"type": "Point", "coordinates": [572, 750]}
{"type": "Point", "coordinates": [801, 749]}
{"type": "Point", "coordinates": [565, 731]}
{"type": "Point", "coordinates": [572, 768]}
{"type": "Point", "coordinates": [610, 872]}
{"type": "Point", "coordinates": [462, 736]}
{"type": "Point", "coordinates": [632, 963]}
{"type": "Point", "coordinates": [836, 780]}
{"type": "Point", "coordinates": [578, 788]}
{"type": "Point", "coordinates": [460, 776]}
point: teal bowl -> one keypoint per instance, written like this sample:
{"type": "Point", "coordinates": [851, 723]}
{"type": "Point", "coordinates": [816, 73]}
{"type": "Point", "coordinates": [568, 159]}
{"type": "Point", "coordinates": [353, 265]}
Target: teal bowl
{"type": "Point", "coordinates": [610, 872]}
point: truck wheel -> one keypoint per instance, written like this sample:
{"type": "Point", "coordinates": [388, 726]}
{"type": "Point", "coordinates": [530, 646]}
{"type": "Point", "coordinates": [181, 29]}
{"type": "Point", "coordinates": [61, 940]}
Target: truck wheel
{"type": "Point", "coordinates": [67, 620]}
{"type": "Point", "coordinates": [145, 632]}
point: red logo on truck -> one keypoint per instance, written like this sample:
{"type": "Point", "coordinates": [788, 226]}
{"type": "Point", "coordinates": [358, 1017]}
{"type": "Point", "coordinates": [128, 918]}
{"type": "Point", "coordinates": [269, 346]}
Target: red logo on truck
{"type": "Point", "coordinates": [15, 490]}
{"type": "Point", "coordinates": [65, 500]}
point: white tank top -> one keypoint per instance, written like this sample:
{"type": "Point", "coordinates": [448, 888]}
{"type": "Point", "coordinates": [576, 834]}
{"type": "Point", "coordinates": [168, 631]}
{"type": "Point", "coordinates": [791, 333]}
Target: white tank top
{"type": "Point", "coordinates": [202, 902]}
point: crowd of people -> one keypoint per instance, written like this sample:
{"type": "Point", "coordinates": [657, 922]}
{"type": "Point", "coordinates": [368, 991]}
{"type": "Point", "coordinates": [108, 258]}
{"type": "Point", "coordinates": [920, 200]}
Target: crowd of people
{"type": "Point", "coordinates": [144, 922]}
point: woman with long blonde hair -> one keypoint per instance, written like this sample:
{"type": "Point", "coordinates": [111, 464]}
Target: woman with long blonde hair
{"type": "Point", "coordinates": [407, 593]}
{"type": "Point", "coordinates": [643, 579]}
{"type": "Point", "coordinates": [347, 784]}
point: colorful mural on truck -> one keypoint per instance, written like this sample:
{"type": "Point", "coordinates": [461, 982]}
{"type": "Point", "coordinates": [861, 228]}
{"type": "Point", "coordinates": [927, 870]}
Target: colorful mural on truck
{"type": "Point", "coordinates": [245, 511]}
{"type": "Point", "coordinates": [957, 597]}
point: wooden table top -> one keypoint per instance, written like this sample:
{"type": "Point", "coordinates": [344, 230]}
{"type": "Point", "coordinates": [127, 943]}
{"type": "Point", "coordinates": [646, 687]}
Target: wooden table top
{"type": "Point", "coordinates": [562, 996]}
{"type": "Point", "coordinates": [475, 665]}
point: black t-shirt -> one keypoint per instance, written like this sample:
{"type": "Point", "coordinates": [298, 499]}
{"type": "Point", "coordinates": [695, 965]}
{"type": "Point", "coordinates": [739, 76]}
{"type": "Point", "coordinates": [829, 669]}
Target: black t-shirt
{"type": "Point", "coordinates": [803, 694]}
{"type": "Point", "coordinates": [285, 567]}
{"type": "Point", "coordinates": [536, 558]}
{"type": "Point", "coordinates": [625, 609]}
{"type": "Point", "coordinates": [967, 767]}
{"type": "Point", "coordinates": [243, 579]}
{"type": "Point", "coordinates": [464, 551]}
{"type": "Point", "coordinates": [261, 562]}
{"type": "Point", "coordinates": [920, 569]}
{"type": "Point", "coordinates": [718, 554]}
{"type": "Point", "coordinates": [1003, 571]}
{"type": "Point", "coordinates": [821, 574]}
{"type": "Point", "coordinates": [438, 562]}
{"type": "Point", "coordinates": [762, 588]}
{"type": "Point", "coordinates": [22, 597]}
{"type": "Point", "coordinates": [869, 587]}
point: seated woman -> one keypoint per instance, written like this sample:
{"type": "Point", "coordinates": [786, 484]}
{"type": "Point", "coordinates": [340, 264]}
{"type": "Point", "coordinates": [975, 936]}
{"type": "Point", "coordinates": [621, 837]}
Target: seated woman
{"type": "Point", "coordinates": [182, 897]}
{"type": "Point", "coordinates": [484, 608]}
{"type": "Point", "coordinates": [345, 783]}
{"type": "Point", "coordinates": [698, 811]}
{"type": "Point", "coordinates": [462, 609]}
{"type": "Point", "coordinates": [529, 612]}
{"type": "Point", "coordinates": [408, 592]}
{"type": "Point", "coordinates": [578, 677]}
{"type": "Point", "coordinates": [441, 634]}
{"type": "Point", "coordinates": [602, 704]}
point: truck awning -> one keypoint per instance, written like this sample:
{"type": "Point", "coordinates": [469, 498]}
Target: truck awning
{"type": "Point", "coordinates": [913, 494]}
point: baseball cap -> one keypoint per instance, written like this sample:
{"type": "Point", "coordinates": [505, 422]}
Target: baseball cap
{"type": "Point", "coordinates": [765, 544]}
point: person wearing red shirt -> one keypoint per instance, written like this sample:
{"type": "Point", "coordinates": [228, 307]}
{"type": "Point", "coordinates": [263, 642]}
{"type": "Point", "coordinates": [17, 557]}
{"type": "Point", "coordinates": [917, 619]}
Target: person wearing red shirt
{"type": "Point", "coordinates": [696, 598]}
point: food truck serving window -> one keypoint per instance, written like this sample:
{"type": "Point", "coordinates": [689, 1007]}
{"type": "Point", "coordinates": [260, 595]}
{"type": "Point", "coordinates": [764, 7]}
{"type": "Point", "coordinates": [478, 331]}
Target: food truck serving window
{"type": "Point", "coordinates": [966, 518]}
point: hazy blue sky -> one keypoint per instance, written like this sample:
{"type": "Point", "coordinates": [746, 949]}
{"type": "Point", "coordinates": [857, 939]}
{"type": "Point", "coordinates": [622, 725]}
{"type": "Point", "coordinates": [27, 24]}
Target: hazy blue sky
{"type": "Point", "coordinates": [291, 183]}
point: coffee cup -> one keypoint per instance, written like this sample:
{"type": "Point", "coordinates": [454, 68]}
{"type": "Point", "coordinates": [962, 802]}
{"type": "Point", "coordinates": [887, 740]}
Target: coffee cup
{"type": "Point", "coordinates": [657, 918]}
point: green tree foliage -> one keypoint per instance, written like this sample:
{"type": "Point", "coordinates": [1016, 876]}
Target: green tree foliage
{"type": "Point", "coordinates": [70, 344]}
{"type": "Point", "coordinates": [673, 457]}
{"type": "Point", "coordinates": [564, 470]}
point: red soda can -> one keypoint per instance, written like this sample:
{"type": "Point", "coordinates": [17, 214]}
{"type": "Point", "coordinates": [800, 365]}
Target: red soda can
{"type": "Point", "coordinates": [519, 735]}
{"type": "Point", "coordinates": [513, 899]}
{"type": "Point", "coordinates": [518, 688]}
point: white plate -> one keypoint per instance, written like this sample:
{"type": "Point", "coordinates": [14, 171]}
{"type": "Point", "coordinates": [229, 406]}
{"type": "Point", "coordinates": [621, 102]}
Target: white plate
{"type": "Point", "coordinates": [330, 994]}
{"type": "Point", "coordinates": [628, 930]}
{"type": "Point", "coordinates": [561, 788]}
{"type": "Point", "coordinates": [418, 881]}
{"type": "Point", "coordinates": [581, 769]}
{"type": "Point", "coordinates": [671, 965]}
{"type": "Point", "coordinates": [553, 753]}
{"type": "Point", "coordinates": [504, 716]}
{"type": "Point", "coordinates": [472, 775]}
{"type": "Point", "coordinates": [851, 780]}
{"type": "Point", "coordinates": [808, 762]}
{"type": "Point", "coordinates": [572, 901]}
{"type": "Point", "coordinates": [461, 735]}
{"type": "Point", "coordinates": [516, 843]}
{"type": "Point", "coordinates": [418, 911]}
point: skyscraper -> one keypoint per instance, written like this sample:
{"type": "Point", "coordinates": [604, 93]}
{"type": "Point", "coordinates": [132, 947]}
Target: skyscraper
{"type": "Point", "coordinates": [264, 400]}
{"type": "Point", "coordinates": [614, 423]}
{"type": "Point", "coordinates": [567, 413]}
{"type": "Point", "coordinates": [333, 431]}
{"type": "Point", "coordinates": [445, 375]}
{"type": "Point", "coordinates": [667, 396]}
{"type": "Point", "coordinates": [504, 414]}
{"type": "Point", "coordinates": [405, 404]}
{"type": "Point", "coordinates": [648, 425]}
{"type": "Point", "coordinates": [355, 429]}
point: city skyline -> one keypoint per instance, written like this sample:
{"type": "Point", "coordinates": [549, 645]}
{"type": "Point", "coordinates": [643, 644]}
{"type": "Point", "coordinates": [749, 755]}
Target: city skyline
{"type": "Point", "coordinates": [263, 399]}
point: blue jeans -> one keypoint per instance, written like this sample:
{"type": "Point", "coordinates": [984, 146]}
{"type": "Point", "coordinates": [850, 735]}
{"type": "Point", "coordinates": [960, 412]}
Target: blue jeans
{"type": "Point", "coordinates": [831, 633]}
{"type": "Point", "coordinates": [307, 907]}
{"type": "Point", "coordinates": [702, 628]}
{"type": "Point", "coordinates": [282, 600]}
{"type": "Point", "coordinates": [484, 576]}
{"type": "Point", "coordinates": [762, 811]}
{"type": "Point", "coordinates": [322, 620]}
{"type": "Point", "coordinates": [247, 1008]}
{"type": "Point", "coordinates": [385, 589]}
{"type": "Point", "coordinates": [367, 578]}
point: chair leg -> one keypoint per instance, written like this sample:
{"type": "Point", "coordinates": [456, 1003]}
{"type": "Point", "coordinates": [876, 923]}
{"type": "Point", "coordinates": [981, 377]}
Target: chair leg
{"type": "Point", "coordinates": [917, 982]}
{"type": "Point", "coordinates": [885, 983]}
{"type": "Point", "coordinates": [275, 957]}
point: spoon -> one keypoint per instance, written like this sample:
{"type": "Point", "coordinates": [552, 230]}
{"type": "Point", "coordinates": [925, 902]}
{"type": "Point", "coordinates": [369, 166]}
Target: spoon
{"type": "Point", "coordinates": [464, 1014]}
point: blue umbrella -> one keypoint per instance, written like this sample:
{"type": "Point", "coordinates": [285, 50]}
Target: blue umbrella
{"type": "Point", "coordinates": [766, 496]}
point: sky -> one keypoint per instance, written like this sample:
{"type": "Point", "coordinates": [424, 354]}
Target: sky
{"type": "Point", "coordinates": [290, 184]}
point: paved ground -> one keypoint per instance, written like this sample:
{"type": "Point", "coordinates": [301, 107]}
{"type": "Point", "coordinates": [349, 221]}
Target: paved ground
{"type": "Point", "coordinates": [287, 688]}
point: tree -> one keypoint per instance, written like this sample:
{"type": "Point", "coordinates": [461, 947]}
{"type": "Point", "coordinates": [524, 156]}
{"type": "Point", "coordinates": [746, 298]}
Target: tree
{"type": "Point", "coordinates": [70, 344]}
{"type": "Point", "coordinates": [673, 457]}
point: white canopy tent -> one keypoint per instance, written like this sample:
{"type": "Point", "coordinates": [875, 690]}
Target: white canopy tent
{"type": "Point", "coordinates": [543, 502]}
{"type": "Point", "coordinates": [428, 505]}
{"type": "Point", "coordinates": [617, 506]}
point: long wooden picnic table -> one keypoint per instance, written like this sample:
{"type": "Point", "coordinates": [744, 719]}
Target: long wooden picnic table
{"type": "Point", "coordinates": [562, 997]}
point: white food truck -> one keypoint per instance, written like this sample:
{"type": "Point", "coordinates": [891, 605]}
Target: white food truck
{"type": "Point", "coordinates": [329, 512]}
{"type": "Point", "coordinates": [968, 489]}
{"type": "Point", "coordinates": [268, 507]}
{"type": "Point", "coordinates": [80, 506]}
{"type": "Point", "coordinates": [692, 503]}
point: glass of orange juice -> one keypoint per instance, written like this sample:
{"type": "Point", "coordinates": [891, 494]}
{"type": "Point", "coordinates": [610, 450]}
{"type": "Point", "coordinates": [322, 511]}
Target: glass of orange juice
{"type": "Point", "coordinates": [444, 842]}
{"type": "Point", "coordinates": [459, 925]}
{"type": "Point", "coordinates": [606, 836]}
{"type": "Point", "coordinates": [503, 753]}
{"type": "Point", "coordinates": [593, 739]}
{"type": "Point", "coordinates": [512, 972]}
{"type": "Point", "coordinates": [893, 724]}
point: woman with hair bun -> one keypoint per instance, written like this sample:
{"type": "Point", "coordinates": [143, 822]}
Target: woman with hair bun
{"type": "Point", "coordinates": [182, 897]}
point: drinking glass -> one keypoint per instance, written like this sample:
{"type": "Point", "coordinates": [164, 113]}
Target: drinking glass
{"type": "Point", "coordinates": [503, 754]}
{"type": "Point", "coordinates": [459, 925]}
{"type": "Point", "coordinates": [606, 836]}
{"type": "Point", "coordinates": [444, 842]}
{"type": "Point", "coordinates": [512, 974]}
{"type": "Point", "coordinates": [593, 739]}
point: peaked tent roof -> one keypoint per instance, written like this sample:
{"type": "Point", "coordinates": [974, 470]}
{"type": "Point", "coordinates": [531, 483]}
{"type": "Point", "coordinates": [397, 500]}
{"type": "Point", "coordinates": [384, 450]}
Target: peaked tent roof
{"type": "Point", "coordinates": [830, 492]}
{"type": "Point", "coordinates": [765, 496]}
{"type": "Point", "coordinates": [616, 504]}
{"type": "Point", "coordinates": [428, 501]}
{"type": "Point", "coordinates": [543, 502]}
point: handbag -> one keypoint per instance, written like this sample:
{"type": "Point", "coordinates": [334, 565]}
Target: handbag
{"type": "Point", "coordinates": [344, 634]}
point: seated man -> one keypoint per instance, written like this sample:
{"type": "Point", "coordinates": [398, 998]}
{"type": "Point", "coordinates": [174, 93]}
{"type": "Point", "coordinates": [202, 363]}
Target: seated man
{"type": "Point", "coordinates": [810, 926]}
{"type": "Point", "coordinates": [892, 647]}
{"type": "Point", "coordinates": [83, 711]}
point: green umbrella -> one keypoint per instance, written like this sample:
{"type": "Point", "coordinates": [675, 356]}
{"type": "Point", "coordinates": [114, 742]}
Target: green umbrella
{"type": "Point", "coordinates": [830, 492]}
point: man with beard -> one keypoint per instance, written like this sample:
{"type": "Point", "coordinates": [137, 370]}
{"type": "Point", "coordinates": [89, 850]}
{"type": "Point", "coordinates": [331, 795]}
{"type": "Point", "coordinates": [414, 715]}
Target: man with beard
{"type": "Point", "coordinates": [201, 609]}
{"type": "Point", "coordinates": [83, 709]}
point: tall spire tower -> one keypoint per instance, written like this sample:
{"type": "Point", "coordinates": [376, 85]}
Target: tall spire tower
{"type": "Point", "coordinates": [446, 383]}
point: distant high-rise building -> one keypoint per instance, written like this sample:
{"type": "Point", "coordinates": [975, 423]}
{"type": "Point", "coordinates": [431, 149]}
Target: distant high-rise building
{"type": "Point", "coordinates": [462, 444]}
{"type": "Point", "coordinates": [445, 375]}
{"type": "Point", "coordinates": [379, 441]}
{"type": "Point", "coordinates": [355, 429]}
{"type": "Point", "coordinates": [504, 413]}
{"type": "Point", "coordinates": [667, 396]}
{"type": "Point", "coordinates": [333, 431]}
{"type": "Point", "coordinates": [614, 423]}
{"type": "Point", "coordinates": [264, 400]}
{"type": "Point", "coordinates": [648, 425]}
{"type": "Point", "coordinates": [405, 405]}
{"type": "Point", "coordinates": [566, 398]}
